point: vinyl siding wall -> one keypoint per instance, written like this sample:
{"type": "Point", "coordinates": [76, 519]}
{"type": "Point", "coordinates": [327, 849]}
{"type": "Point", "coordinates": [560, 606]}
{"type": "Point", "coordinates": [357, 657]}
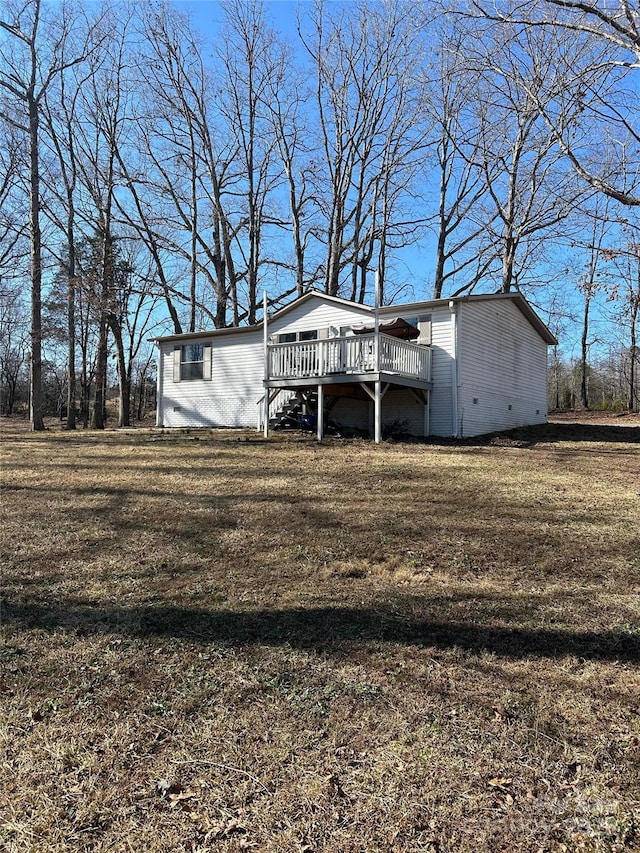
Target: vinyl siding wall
{"type": "Point", "coordinates": [442, 372]}
{"type": "Point", "coordinates": [503, 362]}
{"type": "Point", "coordinates": [319, 315]}
{"type": "Point", "coordinates": [229, 398]}
{"type": "Point", "coordinates": [353, 413]}
{"type": "Point", "coordinates": [402, 412]}
{"type": "Point", "coordinates": [503, 367]}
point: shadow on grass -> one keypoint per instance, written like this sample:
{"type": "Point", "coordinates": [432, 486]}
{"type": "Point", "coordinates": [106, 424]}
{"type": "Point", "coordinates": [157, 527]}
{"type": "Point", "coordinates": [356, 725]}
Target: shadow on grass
{"type": "Point", "coordinates": [559, 432]}
{"type": "Point", "coordinates": [527, 437]}
{"type": "Point", "coordinates": [324, 629]}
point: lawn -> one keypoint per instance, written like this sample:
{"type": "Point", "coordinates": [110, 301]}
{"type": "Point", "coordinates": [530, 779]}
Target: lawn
{"type": "Point", "coordinates": [213, 642]}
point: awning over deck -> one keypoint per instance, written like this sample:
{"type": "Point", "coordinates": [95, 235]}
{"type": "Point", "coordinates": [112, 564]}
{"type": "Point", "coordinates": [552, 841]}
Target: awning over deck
{"type": "Point", "coordinates": [397, 327]}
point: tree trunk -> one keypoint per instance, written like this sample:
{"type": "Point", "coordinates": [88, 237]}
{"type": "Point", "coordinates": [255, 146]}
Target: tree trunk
{"type": "Point", "coordinates": [124, 378]}
{"type": "Point", "coordinates": [71, 324]}
{"type": "Point", "coordinates": [99, 402]}
{"type": "Point", "coordinates": [35, 408]}
{"type": "Point", "coordinates": [438, 284]}
{"type": "Point", "coordinates": [584, 367]}
{"type": "Point", "coordinates": [508, 263]}
{"type": "Point", "coordinates": [633, 395]}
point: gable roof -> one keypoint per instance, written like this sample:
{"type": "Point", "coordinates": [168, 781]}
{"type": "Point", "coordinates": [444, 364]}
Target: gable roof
{"type": "Point", "coordinates": [385, 311]}
{"type": "Point", "coordinates": [281, 312]}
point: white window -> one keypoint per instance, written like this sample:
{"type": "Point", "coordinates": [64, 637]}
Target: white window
{"type": "Point", "coordinates": [292, 337]}
{"type": "Point", "coordinates": [311, 335]}
{"type": "Point", "coordinates": [191, 362]}
{"type": "Point", "coordinates": [423, 325]}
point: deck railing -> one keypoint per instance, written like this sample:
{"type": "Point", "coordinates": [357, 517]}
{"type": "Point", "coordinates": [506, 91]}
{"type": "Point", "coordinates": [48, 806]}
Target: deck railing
{"type": "Point", "coordinates": [277, 399]}
{"type": "Point", "coordinates": [355, 354]}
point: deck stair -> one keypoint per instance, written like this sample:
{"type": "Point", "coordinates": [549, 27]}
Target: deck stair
{"type": "Point", "coordinates": [288, 411]}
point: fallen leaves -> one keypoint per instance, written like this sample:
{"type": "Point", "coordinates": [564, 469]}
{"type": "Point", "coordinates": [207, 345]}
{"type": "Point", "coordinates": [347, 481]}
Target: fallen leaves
{"type": "Point", "coordinates": [175, 794]}
{"type": "Point", "coordinates": [229, 827]}
{"type": "Point", "coordinates": [499, 782]}
{"type": "Point", "coordinates": [180, 797]}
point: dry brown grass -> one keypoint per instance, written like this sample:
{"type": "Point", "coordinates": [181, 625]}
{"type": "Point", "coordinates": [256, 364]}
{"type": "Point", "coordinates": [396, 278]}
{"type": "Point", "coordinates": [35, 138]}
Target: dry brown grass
{"type": "Point", "coordinates": [216, 643]}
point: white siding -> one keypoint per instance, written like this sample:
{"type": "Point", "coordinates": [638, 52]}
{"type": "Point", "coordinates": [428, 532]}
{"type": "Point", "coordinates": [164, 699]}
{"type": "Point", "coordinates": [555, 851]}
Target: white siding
{"type": "Point", "coordinates": [316, 314]}
{"type": "Point", "coordinates": [442, 367]}
{"type": "Point", "coordinates": [503, 367]}
{"type": "Point", "coordinates": [229, 398]}
{"type": "Point", "coordinates": [402, 412]}
{"type": "Point", "coordinates": [352, 413]}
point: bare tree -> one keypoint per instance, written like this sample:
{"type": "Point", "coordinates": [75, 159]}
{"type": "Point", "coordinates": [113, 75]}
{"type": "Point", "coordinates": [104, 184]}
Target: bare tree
{"type": "Point", "coordinates": [34, 52]}
{"type": "Point", "coordinates": [87, 316]}
{"type": "Point", "coordinates": [530, 188]}
{"type": "Point", "coordinates": [464, 254]}
{"type": "Point", "coordinates": [370, 127]}
{"type": "Point", "coordinates": [141, 220]}
{"type": "Point", "coordinates": [14, 344]}
{"type": "Point", "coordinates": [186, 175]}
{"type": "Point", "coordinates": [249, 57]}
{"type": "Point", "coordinates": [136, 304]}
{"type": "Point", "coordinates": [13, 215]}
{"type": "Point", "coordinates": [105, 105]}
{"type": "Point", "coordinates": [590, 283]}
{"type": "Point", "coordinates": [624, 290]}
{"type": "Point", "coordinates": [286, 102]}
{"type": "Point", "coordinates": [606, 157]}
{"type": "Point", "coordinates": [59, 120]}
{"type": "Point", "coordinates": [130, 307]}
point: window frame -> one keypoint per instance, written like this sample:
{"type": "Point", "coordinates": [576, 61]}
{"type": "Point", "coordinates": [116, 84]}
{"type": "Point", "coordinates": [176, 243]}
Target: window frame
{"type": "Point", "coordinates": [308, 335]}
{"type": "Point", "coordinates": [191, 369]}
{"type": "Point", "coordinates": [303, 336]}
{"type": "Point", "coordinates": [186, 367]}
{"type": "Point", "coordinates": [425, 327]}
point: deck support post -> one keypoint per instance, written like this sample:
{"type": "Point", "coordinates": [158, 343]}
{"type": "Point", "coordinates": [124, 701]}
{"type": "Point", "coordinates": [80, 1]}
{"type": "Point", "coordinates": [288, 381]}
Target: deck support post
{"type": "Point", "coordinates": [377, 400]}
{"type": "Point", "coordinates": [320, 417]}
{"type": "Point", "coordinates": [265, 344]}
{"type": "Point", "coordinates": [377, 414]}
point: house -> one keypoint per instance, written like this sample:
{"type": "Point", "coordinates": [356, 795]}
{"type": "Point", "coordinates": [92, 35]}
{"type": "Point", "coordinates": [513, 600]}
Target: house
{"type": "Point", "coordinates": [448, 367]}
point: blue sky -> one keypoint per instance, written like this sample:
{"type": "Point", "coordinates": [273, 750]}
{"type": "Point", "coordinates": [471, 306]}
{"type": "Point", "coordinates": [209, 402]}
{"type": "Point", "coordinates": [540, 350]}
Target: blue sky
{"type": "Point", "coordinates": [206, 14]}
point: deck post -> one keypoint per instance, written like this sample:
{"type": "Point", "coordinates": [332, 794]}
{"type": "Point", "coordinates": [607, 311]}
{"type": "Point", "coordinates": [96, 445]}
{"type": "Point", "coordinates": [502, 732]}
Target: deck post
{"type": "Point", "coordinates": [377, 404]}
{"type": "Point", "coordinates": [320, 417]}
{"type": "Point", "coordinates": [265, 330]}
{"type": "Point", "coordinates": [376, 326]}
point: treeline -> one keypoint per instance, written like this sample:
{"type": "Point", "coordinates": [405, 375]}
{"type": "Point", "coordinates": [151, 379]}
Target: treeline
{"type": "Point", "coordinates": [609, 383]}
{"type": "Point", "coordinates": [153, 180]}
